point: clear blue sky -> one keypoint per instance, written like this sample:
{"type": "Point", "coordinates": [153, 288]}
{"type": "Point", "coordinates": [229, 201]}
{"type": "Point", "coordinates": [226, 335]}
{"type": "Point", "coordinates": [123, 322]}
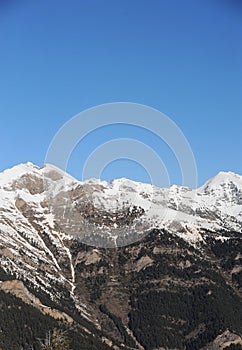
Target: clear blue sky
{"type": "Point", "coordinates": [59, 57]}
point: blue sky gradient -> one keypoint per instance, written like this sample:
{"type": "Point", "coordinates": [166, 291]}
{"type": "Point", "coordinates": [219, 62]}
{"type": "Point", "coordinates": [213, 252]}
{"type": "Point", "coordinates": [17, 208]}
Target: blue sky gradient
{"type": "Point", "coordinates": [183, 58]}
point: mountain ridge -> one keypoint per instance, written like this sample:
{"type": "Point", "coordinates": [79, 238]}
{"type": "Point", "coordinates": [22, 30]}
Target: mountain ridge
{"type": "Point", "coordinates": [29, 166]}
{"type": "Point", "coordinates": [77, 206]}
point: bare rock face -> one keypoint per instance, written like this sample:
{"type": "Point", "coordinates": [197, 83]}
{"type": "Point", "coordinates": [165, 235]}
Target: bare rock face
{"type": "Point", "coordinates": [18, 289]}
{"type": "Point", "coordinates": [224, 340]}
{"type": "Point", "coordinates": [143, 262]}
{"type": "Point", "coordinates": [92, 258]}
{"type": "Point", "coordinates": [24, 208]}
{"type": "Point", "coordinates": [34, 184]}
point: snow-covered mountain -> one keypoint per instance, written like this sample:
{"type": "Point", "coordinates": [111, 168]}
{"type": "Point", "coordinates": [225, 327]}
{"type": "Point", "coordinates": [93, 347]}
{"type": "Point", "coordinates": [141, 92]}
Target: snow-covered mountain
{"type": "Point", "coordinates": [46, 215]}
{"type": "Point", "coordinates": [38, 205]}
{"type": "Point", "coordinates": [33, 198]}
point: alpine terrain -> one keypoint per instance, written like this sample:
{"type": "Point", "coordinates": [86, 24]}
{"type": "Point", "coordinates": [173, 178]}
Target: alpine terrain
{"type": "Point", "coordinates": [119, 265]}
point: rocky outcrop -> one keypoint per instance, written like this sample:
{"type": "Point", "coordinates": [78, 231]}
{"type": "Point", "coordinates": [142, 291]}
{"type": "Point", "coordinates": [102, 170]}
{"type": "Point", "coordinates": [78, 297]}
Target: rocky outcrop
{"type": "Point", "coordinates": [224, 340]}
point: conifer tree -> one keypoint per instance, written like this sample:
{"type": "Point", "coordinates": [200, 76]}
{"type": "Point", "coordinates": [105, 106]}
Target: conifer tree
{"type": "Point", "coordinates": [55, 340]}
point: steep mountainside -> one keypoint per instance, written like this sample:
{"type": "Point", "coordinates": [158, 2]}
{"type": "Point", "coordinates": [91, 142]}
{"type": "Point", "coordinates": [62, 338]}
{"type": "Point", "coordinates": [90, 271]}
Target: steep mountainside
{"type": "Point", "coordinates": [120, 265]}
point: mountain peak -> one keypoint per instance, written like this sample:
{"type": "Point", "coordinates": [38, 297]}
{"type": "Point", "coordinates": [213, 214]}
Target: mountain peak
{"type": "Point", "coordinates": [222, 179]}
{"type": "Point", "coordinates": [9, 175]}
